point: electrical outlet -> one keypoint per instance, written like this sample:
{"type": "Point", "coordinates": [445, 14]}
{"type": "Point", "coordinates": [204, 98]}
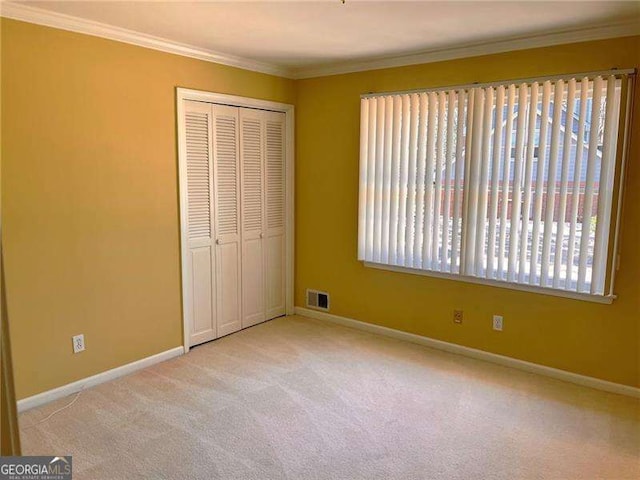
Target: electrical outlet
{"type": "Point", "coordinates": [497, 322]}
{"type": "Point", "coordinates": [78, 343]}
{"type": "Point", "coordinates": [457, 316]}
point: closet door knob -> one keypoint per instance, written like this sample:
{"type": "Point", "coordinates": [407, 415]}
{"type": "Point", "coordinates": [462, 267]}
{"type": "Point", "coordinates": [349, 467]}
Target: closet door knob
{"type": "Point", "coordinates": [217, 241]}
{"type": "Point", "coordinates": [261, 235]}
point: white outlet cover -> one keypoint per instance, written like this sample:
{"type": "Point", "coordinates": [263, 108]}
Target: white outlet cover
{"type": "Point", "coordinates": [497, 322]}
{"type": "Point", "coordinates": [78, 343]}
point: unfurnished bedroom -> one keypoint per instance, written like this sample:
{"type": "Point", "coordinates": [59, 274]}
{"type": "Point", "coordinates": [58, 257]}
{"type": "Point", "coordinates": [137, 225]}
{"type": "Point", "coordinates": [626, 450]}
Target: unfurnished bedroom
{"type": "Point", "coordinates": [320, 240]}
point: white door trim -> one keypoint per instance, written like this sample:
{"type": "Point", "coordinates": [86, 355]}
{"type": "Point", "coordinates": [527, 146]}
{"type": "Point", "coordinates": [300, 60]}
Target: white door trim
{"type": "Point", "coordinates": [183, 94]}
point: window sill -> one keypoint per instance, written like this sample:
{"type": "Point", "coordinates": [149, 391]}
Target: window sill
{"type": "Point", "coordinates": [586, 297]}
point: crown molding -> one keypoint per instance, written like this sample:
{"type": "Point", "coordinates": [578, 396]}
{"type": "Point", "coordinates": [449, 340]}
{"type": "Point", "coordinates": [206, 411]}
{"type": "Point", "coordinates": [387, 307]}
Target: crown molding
{"type": "Point", "coordinates": [40, 16]}
{"type": "Point", "coordinates": [601, 32]}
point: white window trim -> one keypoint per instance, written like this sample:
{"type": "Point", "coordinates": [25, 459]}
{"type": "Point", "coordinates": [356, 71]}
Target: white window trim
{"type": "Point", "coordinates": [587, 297]}
{"type": "Point", "coordinates": [183, 94]}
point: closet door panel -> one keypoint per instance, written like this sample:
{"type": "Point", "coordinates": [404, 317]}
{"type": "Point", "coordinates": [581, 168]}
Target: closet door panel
{"type": "Point", "coordinates": [275, 212]}
{"type": "Point", "coordinates": [253, 272]}
{"type": "Point", "coordinates": [203, 326]}
{"type": "Point", "coordinates": [275, 258]}
{"type": "Point", "coordinates": [227, 218]}
{"type": "Point", "coordinates": [228, 292]}
{"type": "Point", "coordinates": [200, 262]}
{"type": "Point", "coordinates": [252, 283]}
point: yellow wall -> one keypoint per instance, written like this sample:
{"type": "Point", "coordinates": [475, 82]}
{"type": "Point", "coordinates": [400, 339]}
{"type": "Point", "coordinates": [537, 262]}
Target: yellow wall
{"type": "Point", "coordinates": [90, 209]}
{"type": "Point", "coordinates": [90, 199]}
{"type": "Point", "coordinates": [586, 338]}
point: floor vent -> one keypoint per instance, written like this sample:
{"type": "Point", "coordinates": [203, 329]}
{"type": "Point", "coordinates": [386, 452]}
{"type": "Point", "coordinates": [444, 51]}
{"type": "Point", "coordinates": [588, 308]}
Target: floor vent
{"type": "Point", "coordinates": [317, 299]}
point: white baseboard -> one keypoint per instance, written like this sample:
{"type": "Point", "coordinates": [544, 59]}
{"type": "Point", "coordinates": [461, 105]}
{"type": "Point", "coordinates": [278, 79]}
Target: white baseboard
{"type": "Point", "coordinates": [475, 353]}
{"type": "Point", "coordinates": [71, 388]}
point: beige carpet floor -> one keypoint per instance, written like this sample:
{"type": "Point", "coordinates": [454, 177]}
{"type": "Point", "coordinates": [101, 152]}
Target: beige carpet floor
{"type": "Point", "coordinates": [300, 399]}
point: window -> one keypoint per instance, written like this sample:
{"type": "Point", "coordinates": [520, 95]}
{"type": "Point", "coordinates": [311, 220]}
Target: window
{"type": "Point", "coordinates": [511, 183]}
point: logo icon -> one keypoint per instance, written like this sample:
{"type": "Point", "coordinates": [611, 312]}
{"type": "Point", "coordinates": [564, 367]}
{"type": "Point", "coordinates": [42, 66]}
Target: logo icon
{"type": "Point", "coordinates": [36, 468]}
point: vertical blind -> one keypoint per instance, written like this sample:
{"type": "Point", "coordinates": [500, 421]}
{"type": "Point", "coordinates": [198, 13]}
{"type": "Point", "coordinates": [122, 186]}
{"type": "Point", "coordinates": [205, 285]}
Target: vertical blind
{"type": "Point", "coordinates": [508, 182]}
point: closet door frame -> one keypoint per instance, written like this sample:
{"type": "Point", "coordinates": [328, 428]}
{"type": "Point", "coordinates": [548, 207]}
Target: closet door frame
{"type": "Point", "coordinates": [183, 94]}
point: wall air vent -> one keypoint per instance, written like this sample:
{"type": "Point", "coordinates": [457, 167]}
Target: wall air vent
{"type": "Point", "coordinates": [317, 299]}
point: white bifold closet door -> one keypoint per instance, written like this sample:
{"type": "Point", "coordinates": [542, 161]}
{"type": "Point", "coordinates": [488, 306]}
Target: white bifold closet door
{"type": "Point", "coordinates": [274, 124]}
{"type": "Point", "coordinates": [235, 212]}
{"type": "Point", "coordinates": [200, 282]}
{"type": "Point", "coordinates": [262, 159]}
{"type": "Point", "coordinates": [226, 174]}
{"type": "Point", "coordinates": [253, 264]}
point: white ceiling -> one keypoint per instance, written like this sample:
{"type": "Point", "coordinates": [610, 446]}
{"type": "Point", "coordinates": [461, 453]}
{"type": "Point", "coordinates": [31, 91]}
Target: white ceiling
{"type": "Point", "coordinates": [307, 36]}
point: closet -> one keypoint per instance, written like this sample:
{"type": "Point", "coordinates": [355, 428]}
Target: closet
{"type": "Point", "coordinates": [234, 271]}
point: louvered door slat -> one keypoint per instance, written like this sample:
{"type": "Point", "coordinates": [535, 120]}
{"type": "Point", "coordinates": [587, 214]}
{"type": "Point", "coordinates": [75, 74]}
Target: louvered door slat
{"type": "Point", "coordinates": [197, 126]}
{"type": "Point", "coordinates": [275, 173]}
{"type": "Point", "coordinates": [227, 169]}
